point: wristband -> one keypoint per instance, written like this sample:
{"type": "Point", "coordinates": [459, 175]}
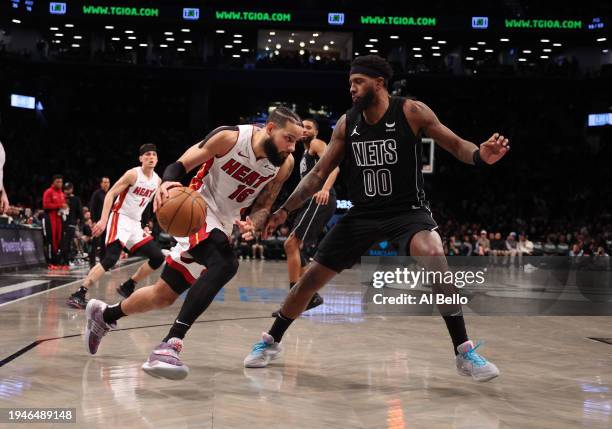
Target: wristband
{"type": "Point", "coordinates": [174, 172]}
{"type": "Point", "coordinates": [478, 162]}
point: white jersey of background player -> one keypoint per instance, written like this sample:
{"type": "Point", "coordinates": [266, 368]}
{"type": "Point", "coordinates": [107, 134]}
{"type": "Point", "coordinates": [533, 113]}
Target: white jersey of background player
{"type": "Point", "coordinates": [121, 216]}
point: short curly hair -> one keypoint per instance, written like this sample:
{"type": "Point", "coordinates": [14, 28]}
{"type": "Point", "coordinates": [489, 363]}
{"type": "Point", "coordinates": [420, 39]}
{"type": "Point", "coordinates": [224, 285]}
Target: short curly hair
{"type": "Point", "coordinates": [377, 63]}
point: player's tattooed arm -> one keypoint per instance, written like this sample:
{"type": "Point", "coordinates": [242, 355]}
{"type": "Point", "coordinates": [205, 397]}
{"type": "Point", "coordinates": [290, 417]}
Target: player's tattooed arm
{"type": "Point", "coordinates": [263, 203]}
{"type": "Point", "coordinates": [422, 119]}
{"type": "Point", "coordinates": [314, 180]}
{"type": "Point", "coordinates": [260, 211]}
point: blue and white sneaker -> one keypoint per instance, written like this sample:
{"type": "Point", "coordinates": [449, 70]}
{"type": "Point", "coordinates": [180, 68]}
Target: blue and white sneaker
{"type": "Point", "coordinates": [263, 352]}
{"type": "Point", "coordinates": [470, 363]}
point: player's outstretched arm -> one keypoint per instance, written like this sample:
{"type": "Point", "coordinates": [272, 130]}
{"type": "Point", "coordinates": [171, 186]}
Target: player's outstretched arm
{"type": "Point", "coordinates": [216, 143]}
{"type": "Point", "coordinates": [425, 119]}
{"type": "Point", "coordinates": [128, 179]}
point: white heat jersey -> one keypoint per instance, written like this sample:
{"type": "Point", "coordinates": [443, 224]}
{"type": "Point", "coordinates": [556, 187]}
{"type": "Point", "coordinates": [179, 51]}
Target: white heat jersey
{"type": "Point", "coordinates": [133, 201]}
{"type": "Point", "coordinates": [230, 184]}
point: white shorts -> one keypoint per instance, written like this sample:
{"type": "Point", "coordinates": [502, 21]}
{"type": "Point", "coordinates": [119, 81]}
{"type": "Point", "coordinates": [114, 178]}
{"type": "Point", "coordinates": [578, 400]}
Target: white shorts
{"type": "Point", "coordinates": [128, 231]}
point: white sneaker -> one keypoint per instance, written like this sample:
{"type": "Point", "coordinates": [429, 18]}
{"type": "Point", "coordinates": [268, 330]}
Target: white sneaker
{"type": "Point", "coordinates": [263, 352]}
{"type": "Point", "coordinates": [470, 363]}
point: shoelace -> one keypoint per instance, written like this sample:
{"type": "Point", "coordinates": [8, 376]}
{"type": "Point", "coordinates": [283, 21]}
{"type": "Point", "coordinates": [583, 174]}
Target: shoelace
{"type": "Point", "coordinates": [474, 357]}
{"type": "Point", "coordinates": [98, 329]}
{"type": "Point", "coordinates": [176, 346]}
{"type": "Point", "coordinates": [260, 346]}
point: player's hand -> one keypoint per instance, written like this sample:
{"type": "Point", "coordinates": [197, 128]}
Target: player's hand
{"type": "Point", "coordinates": [494, 149]}
{"type": "Point", "coordinates": [99, 228]}
{"type": "Point", "coordinates": [4, 202]}
{"type": "Point", "coordinates": [162, 194]}
{"type": "Point", "coordinates": [278, 218]}
{"type": "Point", "coordinates": [322, 197]}
{"type": "Point", "coordinates": [247, 228]}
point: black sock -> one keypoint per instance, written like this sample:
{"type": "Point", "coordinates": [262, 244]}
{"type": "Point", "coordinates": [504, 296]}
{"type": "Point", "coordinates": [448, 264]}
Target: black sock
{"type": "Point", "coordinates": [280, 325]}
{"type": "Point", "coordinates": [81, 292]}
{"type": "Point", "coordinates": [456, 329]}
{"type": "Point", "coordinates": [291, 284]}
{"type": "Point", "coordinates": [112, 313]}
{"type": "Point", "coordinates": [130, 284]}
{"type": "Point", "coordinates": [178, 330]}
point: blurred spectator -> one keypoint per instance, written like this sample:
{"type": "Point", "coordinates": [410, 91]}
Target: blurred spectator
{"type": "Point", "coordinates": [274, 245]}
{"type": "Point", "coordinates": [4, 202]}
{"type": "Point", "coordinates": [83, 237]}
{"type": "Point", "coordinates": [576, 250]}
{"type": "Point", "coordinates": [466, 246]}
{"type": "Point", "coordinates": [511, 247]}
{"type": "Point", "coordinates": [484, 244]}
{"type": "Point", "coordinates": [498, 247]}
{"type": "Point", "coordinates": [524, 247]}
{"type": "Point", "coordinates": [257, 247]}
{"type": "Point", "coordinates": [453, 247]}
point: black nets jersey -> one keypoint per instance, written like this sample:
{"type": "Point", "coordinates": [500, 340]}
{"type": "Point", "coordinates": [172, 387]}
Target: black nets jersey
{"type": "Point", "coordinates": [382, 162]}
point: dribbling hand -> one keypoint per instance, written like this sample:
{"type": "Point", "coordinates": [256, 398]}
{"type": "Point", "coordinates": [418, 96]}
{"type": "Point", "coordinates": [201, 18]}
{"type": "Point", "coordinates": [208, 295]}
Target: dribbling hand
{"type": "Point", "coordinates": [494, 149]}
{"type": "Point", "coordinates": [162, 194]}
{"type": "Point", "coordinates": [277, 218]}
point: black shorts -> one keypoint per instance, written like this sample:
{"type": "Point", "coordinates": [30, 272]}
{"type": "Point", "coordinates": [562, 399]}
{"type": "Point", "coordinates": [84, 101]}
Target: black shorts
{"type": "Point", "coordinates": [356, 232]}
{"type": "Point", "coordinates": [312, 218]}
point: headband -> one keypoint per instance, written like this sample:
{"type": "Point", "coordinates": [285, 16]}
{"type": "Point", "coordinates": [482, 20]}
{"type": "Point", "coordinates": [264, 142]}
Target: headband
{"type": "Point", "coordinates": [148, 147]}
{"type": "Point", "coordinates": [367, 71]}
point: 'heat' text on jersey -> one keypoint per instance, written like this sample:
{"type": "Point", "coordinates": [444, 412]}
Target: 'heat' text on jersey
{"type": "Point", "coordinates": [244, 174]}
{"type": "Point", "coordinates": [143, 192]}
{"type": "Point", "coordinates": [250, 179]}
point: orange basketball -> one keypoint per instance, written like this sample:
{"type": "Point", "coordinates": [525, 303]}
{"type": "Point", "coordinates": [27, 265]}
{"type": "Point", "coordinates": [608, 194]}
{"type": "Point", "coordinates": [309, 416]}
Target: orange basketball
{"type": "Point", "coordinates": [183, 213]}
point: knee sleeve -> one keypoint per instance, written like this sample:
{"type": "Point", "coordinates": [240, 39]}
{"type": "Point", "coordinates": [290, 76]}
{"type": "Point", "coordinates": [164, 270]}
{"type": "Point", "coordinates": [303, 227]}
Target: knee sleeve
{"type": "Point", "coordinates": [153, 253]}
{"type": "Point", "coordinates": [113, 252]}
{"type": "Point", "coordinates": [229, 268]}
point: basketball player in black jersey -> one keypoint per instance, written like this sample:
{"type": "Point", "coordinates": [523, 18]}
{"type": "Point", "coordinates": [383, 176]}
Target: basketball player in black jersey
{"type": "Point", "coordinates": [377, 145]}
{"type": "Point", "coordinates": [314, 215]}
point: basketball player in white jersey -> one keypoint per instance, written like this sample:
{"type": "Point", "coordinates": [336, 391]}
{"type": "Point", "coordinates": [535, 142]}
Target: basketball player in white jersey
{"type": "Point", "coordinates": [241, 166]}
{"type": "Point", "coordinates": [123, 207]}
